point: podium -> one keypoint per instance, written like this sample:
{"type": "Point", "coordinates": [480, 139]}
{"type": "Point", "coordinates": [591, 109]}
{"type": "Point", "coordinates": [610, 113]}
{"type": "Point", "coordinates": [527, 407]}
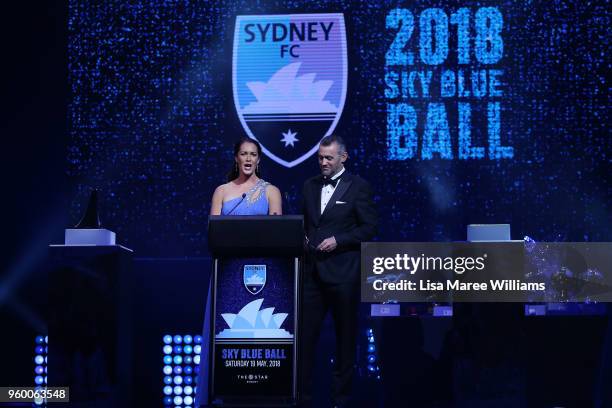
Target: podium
{"type": "Point", "coordinates": [91, 346]}
{"type": "Point", "coordinates": [255, 301]}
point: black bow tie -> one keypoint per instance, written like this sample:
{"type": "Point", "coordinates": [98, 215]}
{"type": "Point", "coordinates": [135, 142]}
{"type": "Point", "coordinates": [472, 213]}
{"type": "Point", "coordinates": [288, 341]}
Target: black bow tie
{"type": "Point", "coordinates": [331, 182]}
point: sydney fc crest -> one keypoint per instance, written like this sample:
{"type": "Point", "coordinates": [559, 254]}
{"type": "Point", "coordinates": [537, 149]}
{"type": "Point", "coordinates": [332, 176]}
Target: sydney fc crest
{"type": "Point", "coordinates": [254, 278]}
{"type": "Point", "coordinates": [289, 80]}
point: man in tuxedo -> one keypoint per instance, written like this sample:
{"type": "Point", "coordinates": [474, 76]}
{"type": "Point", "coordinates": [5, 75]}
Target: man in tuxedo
{"type": "Point", "coordinates": [339, 214]}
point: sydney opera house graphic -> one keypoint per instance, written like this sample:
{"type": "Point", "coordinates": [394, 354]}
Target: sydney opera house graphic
{"type": "Point", "coordinates": [291, 112]}
{"type": "Point", "coordinates": [287, 92]}
{"type": "Point", "coordinates": [252, 323]}
{"type": "Point", "coordinates": [255, 279]}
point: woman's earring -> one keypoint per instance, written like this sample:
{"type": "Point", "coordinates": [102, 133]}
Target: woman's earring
{"type": "Point", "coordinates": [236, 166]}
{"type": "Point", "coordinates": [257, 168]}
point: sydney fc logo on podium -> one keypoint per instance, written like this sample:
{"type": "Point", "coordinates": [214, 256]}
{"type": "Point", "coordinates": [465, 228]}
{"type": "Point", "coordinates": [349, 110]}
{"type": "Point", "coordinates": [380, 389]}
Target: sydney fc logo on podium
{"type": "Point", "coordinates": [289, 80]}
{"type": "Point", "coordinates": [254, 278]}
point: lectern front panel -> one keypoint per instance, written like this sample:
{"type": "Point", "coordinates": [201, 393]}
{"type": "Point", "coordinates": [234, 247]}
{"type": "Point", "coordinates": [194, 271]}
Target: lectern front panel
{"type": "Point", "coordinates": [255, 328]}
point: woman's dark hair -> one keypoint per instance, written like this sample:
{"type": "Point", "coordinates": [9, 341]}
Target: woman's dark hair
{"type": "Point", "coordinates": [233, 173]}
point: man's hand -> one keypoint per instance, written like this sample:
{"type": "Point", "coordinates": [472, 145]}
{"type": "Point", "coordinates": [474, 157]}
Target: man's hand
{"type": "Point", "coordinates": [327, 245]}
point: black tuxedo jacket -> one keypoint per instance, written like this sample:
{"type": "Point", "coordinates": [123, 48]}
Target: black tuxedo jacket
{"type": "Point", "coordinates": [350, 217]}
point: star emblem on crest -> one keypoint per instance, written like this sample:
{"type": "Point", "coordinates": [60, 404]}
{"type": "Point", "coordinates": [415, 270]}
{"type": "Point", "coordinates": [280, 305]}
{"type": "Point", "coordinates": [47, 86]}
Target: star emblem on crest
{"type": "Point", "coordinates": [289, 138]}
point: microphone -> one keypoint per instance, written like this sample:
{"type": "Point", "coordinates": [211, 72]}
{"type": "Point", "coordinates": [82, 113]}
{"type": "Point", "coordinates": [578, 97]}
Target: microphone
{"type": "Point", "coordinates": [288, 202]}
{"type": "Point", "coordinates": [237, 204]}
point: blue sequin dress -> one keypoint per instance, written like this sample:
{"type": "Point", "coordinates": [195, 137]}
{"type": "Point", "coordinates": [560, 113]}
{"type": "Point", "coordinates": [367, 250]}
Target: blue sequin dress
{"type": "Point", "coordinates": [254, 203]}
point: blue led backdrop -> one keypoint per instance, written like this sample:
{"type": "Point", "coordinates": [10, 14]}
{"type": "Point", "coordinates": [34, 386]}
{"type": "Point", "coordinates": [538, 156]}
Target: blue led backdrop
{"type": "Point", "coordinates": [457, 112]}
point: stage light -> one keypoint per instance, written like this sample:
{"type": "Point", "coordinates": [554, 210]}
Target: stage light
{"type": "Point", "coordinates": [370, 363]}
{"type": "Point", "coordinates": [180, 359]}
{"type": "Point", "coordinates": [39, 401]}
{"type": "Point", "coordinates": [40, 369]}
{"type": "Point", "coordinates": [168, 390]}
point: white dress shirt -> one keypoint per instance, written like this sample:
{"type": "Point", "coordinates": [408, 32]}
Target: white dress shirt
{"type": "Point", "coordinates": [327, 190]}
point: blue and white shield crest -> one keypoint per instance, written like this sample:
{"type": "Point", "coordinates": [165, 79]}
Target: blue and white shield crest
{"type": "Point", "coordinates": [289, 81]}
{"type": "Point", "coordinates": [254, 278]}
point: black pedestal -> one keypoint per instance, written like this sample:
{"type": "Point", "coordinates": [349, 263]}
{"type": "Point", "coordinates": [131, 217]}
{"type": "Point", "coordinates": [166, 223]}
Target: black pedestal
{"type": "Point", "coordinates": [90, 324]}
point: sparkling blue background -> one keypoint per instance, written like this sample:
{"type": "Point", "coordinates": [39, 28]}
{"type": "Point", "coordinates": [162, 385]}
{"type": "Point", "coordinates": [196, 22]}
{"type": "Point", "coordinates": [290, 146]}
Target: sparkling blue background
{"type": "Point", "coordinates": [152, 120]}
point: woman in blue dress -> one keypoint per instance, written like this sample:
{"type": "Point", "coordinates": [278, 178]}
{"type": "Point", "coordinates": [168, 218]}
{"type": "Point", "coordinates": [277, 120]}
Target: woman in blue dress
{"type": "Point", "coordinates": [245, 193]}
